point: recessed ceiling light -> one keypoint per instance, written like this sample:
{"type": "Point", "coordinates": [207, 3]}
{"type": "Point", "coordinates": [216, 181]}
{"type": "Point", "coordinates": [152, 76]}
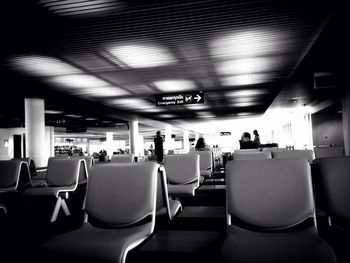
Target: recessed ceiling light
{"type": "Point", "coordinates": [197, 107]}
{"type": "Point", "coordinates": [166, 116]}
{"type": "Point", "coordinates": [246, 104]}
{"type": "Point", "coordinates": [257, 42]}
{"type": "Point", "coordinates": [91, 119]}
{"type": "Point", "coordinates": [246, 79]}
{"type": "Point", "coordinates": [246, 93]}
{"type": "Point", "coordinates": [80, 81]}
{"type": "Point", "coordinates": [73, 116]}
{"type": "Point", "coordinates": [101, 92]}
{"type": "Point", "coordinates": [247, 66]}
{"type": "Point", "coordinates": [43, 66]}
{"type": "Point", "coordinates": [142, 55]}
{"type": "Point", "coordinates": [206, 114]}
{"type": "Point", "coordinates": [175, 85]}
{"type": "Point", "coordinates": [53, 112]}
{"type": "Point", "coordinates": [131, 103]}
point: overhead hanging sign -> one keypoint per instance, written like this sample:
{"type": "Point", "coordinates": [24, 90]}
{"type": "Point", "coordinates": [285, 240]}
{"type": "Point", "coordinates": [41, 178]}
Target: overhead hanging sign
{"type": "Point", "coordinates": [180, 99]}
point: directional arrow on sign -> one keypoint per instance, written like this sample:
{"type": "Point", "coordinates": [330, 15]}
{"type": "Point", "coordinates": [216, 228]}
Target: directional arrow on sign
{"type": "Point", "coordinates": [198, 98]}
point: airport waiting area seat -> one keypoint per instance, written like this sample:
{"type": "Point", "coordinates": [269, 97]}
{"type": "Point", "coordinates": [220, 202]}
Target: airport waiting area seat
{"type": "Point", "coordinates": [183, 174]}
{"type": "Point", "coordinates": [271, 213]}
{"type": "Point", "coordinates": [309, 155]}
{"type": "Point", "coordinates": [122, 158]}
{"type": "Point", "coordinates": [36, 178]}
{"type": "Point", "coordinates": [328, 151]}
{"type": "Point", "coordinates": [63, 177]}
{"type": "Point", "coordinates": [334, 192]}
{"type": "Point", "coordinates": [14, 179]}
{"type": "Point", "coordinates": [90, 161]}
{"type": "Point", "coordinates": [205, 162]}
{"type": "Point", "coordinates": [120, 208]}
{"type": "Point", "coordinates": [166, 205]}
{"type": "Point", "coordinates": [251, 155]}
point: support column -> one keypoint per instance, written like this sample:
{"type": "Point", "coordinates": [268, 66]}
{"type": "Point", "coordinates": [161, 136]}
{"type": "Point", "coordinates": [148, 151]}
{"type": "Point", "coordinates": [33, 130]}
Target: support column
{"type": "Point", "coordinates": [109, 144]}
{"type": "Point", "coordinates": [346, 121]}
{"type": "Point", "coordinates": [50, 141]}
{"type": "Point", "coordinates": [35, 130]}
{"type": "Point", "coordinates": [134, 137]}
{"type": "Point", "coordinates": [186, 141]}
{"type": "Point", "coordinates": [167, 140]}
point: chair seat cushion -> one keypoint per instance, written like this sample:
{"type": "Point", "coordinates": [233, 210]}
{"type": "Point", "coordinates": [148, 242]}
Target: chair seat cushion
{"type": "Point", "coordinates": [92, 244]}
{"type": "Point", "coordinates": [182, 189]}
{"type": "Point", "coordinates": [243, 246]}
{"type": "Point", "coordinates": [46, 191]}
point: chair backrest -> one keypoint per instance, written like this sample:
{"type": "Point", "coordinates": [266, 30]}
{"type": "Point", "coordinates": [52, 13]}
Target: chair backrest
{"type": "Point", "coordinates": [251, 155]}
{"type": "Point", "coordinates": [13, 174]}
{"type": "Point", "coordinates": [335, 181]}
{"type": "Point", "coordinates": [182, 168]}
{"type": "Point", "coordinates": [205, 159]}
{"type": "Point", "coordinates": [122, 194]}
{"type": "Point", "coordinates": [122, 158]}
{"type": "Point", "coordinates": [90, 161]}
{"type": "Point", "coordinates": [66, 172]}
{"type": "Point", "coordinates": [269, 194]}
{"type": "Point", "coordinates": [309, 155]}
{"type": "Point", "coordinates": [321, 152]}
{"type": "Point", "coordinates": [31, 164]}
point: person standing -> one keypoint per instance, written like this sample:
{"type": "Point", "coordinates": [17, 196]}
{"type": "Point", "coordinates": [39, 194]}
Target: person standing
{"type": "Point", "coordinates": [256, 137]}
{"type": "Point", "coordinates": [158, 147]}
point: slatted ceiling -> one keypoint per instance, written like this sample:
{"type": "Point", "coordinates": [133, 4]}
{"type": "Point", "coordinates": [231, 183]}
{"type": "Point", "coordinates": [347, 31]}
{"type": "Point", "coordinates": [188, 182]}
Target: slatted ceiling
{"type": "Point", "coordinates": [202, 37]}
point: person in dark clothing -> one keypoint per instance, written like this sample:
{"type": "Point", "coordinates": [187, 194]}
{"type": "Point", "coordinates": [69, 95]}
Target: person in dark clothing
{"type": "Point", "coordinates": [200, 145]}
{"type": "Point", "coordinates": [256, 137]}
{"type": "Point", "coordinates": [158, 147]}
{"type": "Point", "coordinates": [246, 142]}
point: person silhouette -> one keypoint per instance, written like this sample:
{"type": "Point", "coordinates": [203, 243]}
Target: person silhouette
{"type": "Point", "coordinates": [158, 147]}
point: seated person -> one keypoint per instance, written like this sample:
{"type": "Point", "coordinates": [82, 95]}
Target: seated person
{"type": "Point", "coordinates": [246, 142]}
{"type": "Point", "coordinates": [201, 146]}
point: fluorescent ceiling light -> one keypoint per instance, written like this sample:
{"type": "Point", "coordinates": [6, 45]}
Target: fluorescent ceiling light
{"type": "Point", "coordinates": [131, 103]}
{"type": "Point", "coordinates": [73, 116]}
{"type": "Point", "coordinates": [206, 114]}
{"type": "Point", "coordinates": [43, 66]}
{"type": "Point", "coordinates": [247, 66]}
{"type": "Point", "coordinates": [246, 79]}
{"type": "Point", "coordinates": [246, 93]}
{"type": "Point", "coordinates": [245, 104]}
{"type": "Point", "coordinates": [151, 110]}
{"type": "Point", "coordinates": [102, 92]}
{"type": "Point", "coordinates": [197, 107]}
{"type": "Point", "coordinates": [91, 119]}
{"type": "Point", "coordinates": [175, 85]}
{"type": "Point", "coordinates": [142, 55]}
{"type": "Point", "coordinates": [166, 116]}
{"type": "Point", "coordinates": [78, 81]}
{"type": "Point", "coordinates": [249, 43]}
{"type": "Point", "coordinates": [53, 112]}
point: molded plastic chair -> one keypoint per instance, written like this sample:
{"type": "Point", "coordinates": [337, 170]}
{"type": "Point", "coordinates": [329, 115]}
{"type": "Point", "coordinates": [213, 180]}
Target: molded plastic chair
{"type": "Point", "coordinates": [121, 209]}
{"type": "Point", "coordinates": [166, 205]}
{"type": "Point", "coordinates": [269, 210]}
{"type": "Point", "coordinates": [63, 176]}
{"type": "Point", "coordinates": [90, 161]}
{"type": "Point", "coordinates": [122, 158]}
{"type": "Point", "coordinates": [14, 178]}
{"type": "Point", "coordinates": [322, 152]}
{"type": "Point", "coordinates": [251, 155]}
{"type": "Point", "coordinates": [309, 155]}
{"type": "Point", "coordinates": [205, 162]}
{"type": "Point", "coordinates": [183, 173]}
{"type": "Point", "coordinates": [14, 174]}
{"type": "Point", "coordinates": [334, 177]}
{"type": "Point", "coordinates": [335, 183]}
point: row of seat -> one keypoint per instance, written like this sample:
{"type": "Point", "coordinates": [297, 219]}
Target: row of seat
{"type": "Point", "coordinates": [255, 154]}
